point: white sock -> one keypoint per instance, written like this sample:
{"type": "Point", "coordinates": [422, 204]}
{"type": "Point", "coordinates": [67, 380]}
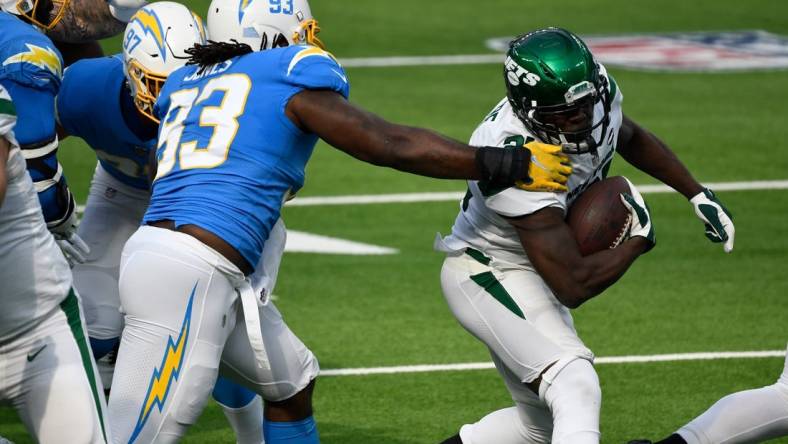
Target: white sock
{"type": "Point", "coordinates": [572, 393]}
{"type": "Point", "coordinates": [743, 417]}
{"type": "Point", "coordinates": [246, 421]}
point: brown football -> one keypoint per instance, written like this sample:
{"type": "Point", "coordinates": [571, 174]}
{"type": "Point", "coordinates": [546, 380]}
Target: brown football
{"type": "Point", "coordinates": [597, 217]}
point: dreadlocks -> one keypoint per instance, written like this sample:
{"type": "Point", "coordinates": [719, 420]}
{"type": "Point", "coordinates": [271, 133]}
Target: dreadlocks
{"type": "Point", "coordinates": [215, 52]}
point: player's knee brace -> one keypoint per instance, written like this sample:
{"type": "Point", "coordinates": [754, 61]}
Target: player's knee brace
{"type": "Point", "coordinates": [570, 388]}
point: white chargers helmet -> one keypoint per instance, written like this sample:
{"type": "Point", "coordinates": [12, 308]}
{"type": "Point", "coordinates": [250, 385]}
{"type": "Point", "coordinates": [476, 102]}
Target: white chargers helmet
{"type": "Point", "coordinates": [154, 45]}
{"type": "Point", "coordinates": [263, 24]}
{"type": "Point", "coordinates": [43, 14]}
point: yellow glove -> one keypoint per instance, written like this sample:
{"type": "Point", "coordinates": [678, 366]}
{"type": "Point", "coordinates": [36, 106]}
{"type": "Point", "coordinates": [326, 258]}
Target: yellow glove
{"type": "Point", "coordinates": [549, 168]}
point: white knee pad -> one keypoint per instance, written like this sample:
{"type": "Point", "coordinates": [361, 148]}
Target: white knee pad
{"type": "Point", "coordinates": [570, 388]}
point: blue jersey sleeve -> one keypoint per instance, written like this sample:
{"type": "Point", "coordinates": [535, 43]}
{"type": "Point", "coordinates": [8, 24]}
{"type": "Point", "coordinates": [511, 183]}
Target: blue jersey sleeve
{"type": "Point", "coordinates": [72, 98]}
{"type": "Point", "coordinates": [35, 132]}
{"type": "Point", "coordinates": [33, 62]}
{"type": "Point", "coordinates": [82, 101]}
{"type": "Point", "coordinates": [309, 67]}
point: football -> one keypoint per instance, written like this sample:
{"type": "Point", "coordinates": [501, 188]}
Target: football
{"type": "Point", "coordinates": [597, 217]}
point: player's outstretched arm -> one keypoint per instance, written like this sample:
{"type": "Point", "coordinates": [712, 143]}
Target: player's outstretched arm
{"type": "Point", "coordinates": [85, 21]}
{"type": "Point", "coordinates": [647, 153]}
{"type": "Point", "coordinates": [552, 249]}
{"type": "Point", "coordinates": [372, 139]}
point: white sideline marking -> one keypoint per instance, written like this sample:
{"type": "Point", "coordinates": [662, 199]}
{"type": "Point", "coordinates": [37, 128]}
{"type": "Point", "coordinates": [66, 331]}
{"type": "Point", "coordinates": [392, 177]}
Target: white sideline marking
{"type": "Point", "coordinates": [362, 199]}
{"type": "Point", "coordinates": [456, 196]}
{"type": "Point", "coordinates": [674, 357]}
{"type": "Point", "coordinates": [301, 242]}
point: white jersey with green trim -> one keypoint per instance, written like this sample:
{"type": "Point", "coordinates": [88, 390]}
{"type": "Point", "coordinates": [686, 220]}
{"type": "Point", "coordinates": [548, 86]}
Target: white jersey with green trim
{"type": "Point", "coordinates": [480, 224]}
{"type": "Point", "coordinates": [34, 274]}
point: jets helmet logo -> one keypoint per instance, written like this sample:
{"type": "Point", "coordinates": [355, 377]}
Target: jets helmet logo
{"type": "Point", "coordinates": [516, 74]}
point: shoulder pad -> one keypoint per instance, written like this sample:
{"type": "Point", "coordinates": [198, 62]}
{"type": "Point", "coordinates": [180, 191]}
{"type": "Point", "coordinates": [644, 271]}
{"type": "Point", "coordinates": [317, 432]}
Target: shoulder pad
{"type": "Point", "coordinates": [36, 64]}
{"type": "Point", "coordinates": [310, 67]}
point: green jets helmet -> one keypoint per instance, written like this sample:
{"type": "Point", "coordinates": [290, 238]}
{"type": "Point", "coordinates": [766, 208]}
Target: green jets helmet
{"type": "Point", "coordinates": [554, 84]}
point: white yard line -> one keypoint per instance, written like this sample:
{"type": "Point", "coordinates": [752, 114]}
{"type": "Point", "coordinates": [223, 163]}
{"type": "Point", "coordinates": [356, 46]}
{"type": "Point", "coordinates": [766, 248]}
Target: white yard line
{"type": "Point", "coordinates": [674, 357]}
{"type": "Point", "coordinates": [363, 199]}
{"type": "Point", "coordinates": [455, 196]}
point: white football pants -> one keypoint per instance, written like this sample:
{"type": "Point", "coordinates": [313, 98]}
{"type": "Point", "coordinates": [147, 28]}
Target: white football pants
{"type": "Point", "coordinates": [112, 214]}
{"type": "Point", "coordinates": [513, 312]}
{"type": "Point", "coordinates": [48, 375]}
{"type": "Point", "coordinates": [749, 416]}
{"type": "Point", "coordinates": [184, 320]}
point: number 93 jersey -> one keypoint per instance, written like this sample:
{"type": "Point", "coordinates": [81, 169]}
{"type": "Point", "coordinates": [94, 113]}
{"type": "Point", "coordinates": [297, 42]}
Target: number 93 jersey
{"type": "Point", "coordinates": [227, 153]}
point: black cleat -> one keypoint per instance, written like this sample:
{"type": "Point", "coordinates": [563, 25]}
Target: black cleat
{"type": "Point", "coordinates": [640, 441]}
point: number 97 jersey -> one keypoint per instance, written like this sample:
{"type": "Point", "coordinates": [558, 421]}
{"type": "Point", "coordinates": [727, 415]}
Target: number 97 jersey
{"type": "Point", "coordinates": [227, 153]}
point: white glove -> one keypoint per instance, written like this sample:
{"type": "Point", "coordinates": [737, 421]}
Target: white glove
{"type": "Point", "coordinates": [73, 247]}
{"type": "Point", "coordinates": [123, 10]}
{"type": "Point", "coordinates": [717, 218]}
{"type": "Point", "coordinates": [640, 224]}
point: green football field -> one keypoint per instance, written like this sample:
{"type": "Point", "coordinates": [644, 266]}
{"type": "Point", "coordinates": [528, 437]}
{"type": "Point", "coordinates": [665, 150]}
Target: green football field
{"type": "Point", "coordinates": [685, 296]}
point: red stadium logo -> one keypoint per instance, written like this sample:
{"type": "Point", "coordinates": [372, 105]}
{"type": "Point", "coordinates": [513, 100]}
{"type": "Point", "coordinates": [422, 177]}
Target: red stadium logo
{"type": "Point", "coordinates": [696, 51]}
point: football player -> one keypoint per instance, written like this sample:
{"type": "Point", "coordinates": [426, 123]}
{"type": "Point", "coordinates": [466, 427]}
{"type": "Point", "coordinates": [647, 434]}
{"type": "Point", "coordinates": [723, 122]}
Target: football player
{"type": "Point", "coordinates": [31, 71]}
{"type": "Point", "coordinates": [513, 269]}
{"type": "Point", "coordinates": [237, 130]}
{"type": "Point", "coordinates": [84, 22]}
{"type": "Point", "coordinates": [748, 416]}
{"type": "Point", "coordinates": [48, 372]}
{"type": "Point", "coordinates": [108, 102]}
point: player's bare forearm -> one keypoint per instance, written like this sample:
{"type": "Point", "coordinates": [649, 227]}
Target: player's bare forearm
{"type": "Point", "coordinates": [647, 153]}
{"type": "Point", "coordinates": [86, 20]}
{"type": "Point", "coordinates": [372, 139]}
{"type": "Point", "coordinates": [552, 250]}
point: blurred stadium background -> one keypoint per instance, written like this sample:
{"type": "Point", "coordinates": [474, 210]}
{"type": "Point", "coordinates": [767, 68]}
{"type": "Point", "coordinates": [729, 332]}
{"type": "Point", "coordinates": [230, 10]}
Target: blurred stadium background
{"type": "Point", "coordinates": [359, 311]}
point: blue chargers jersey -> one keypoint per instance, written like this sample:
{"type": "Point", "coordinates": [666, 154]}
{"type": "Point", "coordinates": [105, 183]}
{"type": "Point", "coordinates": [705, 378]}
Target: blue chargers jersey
{"type": "Point", "coordinates": [27, 56]}
{"type": "Point", "coordinates": [227, 154]}
{"type": "Point", "coordinates": [90, 106]}
{"type": "Point", "coordinates": [31, 69]}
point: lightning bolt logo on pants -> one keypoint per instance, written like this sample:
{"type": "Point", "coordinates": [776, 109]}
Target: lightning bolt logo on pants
{"type": "Point", "coordinates": [168, 370]}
